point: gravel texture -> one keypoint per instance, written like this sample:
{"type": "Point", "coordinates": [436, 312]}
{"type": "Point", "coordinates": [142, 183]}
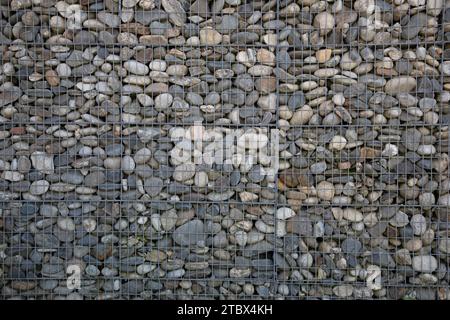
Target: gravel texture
{"type": "Point", "coordinates": [110, 110]}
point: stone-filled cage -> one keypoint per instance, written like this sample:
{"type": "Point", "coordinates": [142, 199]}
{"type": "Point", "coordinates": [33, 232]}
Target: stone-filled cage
{"type": "Point", "coordinates": [224, 149]}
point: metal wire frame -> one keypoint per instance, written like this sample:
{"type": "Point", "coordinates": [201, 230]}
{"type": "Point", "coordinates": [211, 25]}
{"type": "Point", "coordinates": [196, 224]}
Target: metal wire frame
{"type": "Point", "coordinates": [401, 44]}
{"type": "Point", "coordinates": [304, 282]}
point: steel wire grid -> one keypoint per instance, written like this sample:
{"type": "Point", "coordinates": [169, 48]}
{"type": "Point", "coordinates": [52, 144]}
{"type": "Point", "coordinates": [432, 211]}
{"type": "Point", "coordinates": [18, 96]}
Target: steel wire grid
{"type": "Point", "coordinates": [116, 224]}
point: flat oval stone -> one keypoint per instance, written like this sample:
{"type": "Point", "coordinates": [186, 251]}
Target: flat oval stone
{"type": "Point", "coordinates": [189, 233]}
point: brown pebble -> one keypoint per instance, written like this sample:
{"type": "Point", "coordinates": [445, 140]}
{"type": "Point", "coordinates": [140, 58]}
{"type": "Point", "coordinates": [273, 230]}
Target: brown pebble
{"type": "Point", "coordinates": [136, 28]}
{"type": "Point", "coordinates": [369, 153]}
{"type": "Point", "coordinates": [18, 130]}
{"type": "Point", "coordinates": [154, 40]}
{"type": "Point", "coordinates": [323, 55]}
{"type": "Point", "coordinates": [300, 225]}
{"type": "Point", "coordinates": [266, 84]}
{"type": "Point", "coordinates": [253, 210]}
{"type": "Point", "coordinates": [23, 285]}
{"type": "Point", "coordinates": [52, 78]}
{"type": "Point", "coordinates": [144, 55]}
{"type": "Point", "coordinates": [386, 72]}
{"type": "Point", "coordinates": [344, 165]}
{"type": "Point", "coordinates": [294, 177]}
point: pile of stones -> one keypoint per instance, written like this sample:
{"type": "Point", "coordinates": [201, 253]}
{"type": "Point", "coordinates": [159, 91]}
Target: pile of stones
{"type": "Point", "coordinates": [111, 110]}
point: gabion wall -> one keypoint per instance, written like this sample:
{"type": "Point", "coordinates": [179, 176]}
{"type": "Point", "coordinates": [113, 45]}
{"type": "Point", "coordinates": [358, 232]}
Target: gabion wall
{"type": "Point", "coordinates": [333, 116]}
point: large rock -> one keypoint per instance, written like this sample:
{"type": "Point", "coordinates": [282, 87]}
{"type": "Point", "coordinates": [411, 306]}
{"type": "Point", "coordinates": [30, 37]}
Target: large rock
{"type": "Point", "coordinates": [411, 139]}
{"type": "Point", "coordinates": [434, 7]}
{"type": "Point", "coordinates": [153, 186]}
{"type": "Point", "coordinates": [425, 264]}
{"type": "Point", "coordinates": [285, 213]}
{"type": "Point", "coordinates": [184, 172]}
{"type": "Point", "coordinates": [175, 10]}
{"type": "Point", "coordinates": [8, 96]}
{"type": "Point", "coordinates": [210, 37]}
{"type": "Point", "coordinates": [412, 28]}
{"type": "Point", "coordinates": [324, 21]}
{"type": "Point", "coordinates": [300, 224]}
{"type": "Point", "coordinates": [400, 84]}
{"type": "Point", "coordinates": [382, 258]}
{"type": "Point", "coordinates": [42, 162]}
{"type": "Point", "coordinates": [146, 17]}
{"type": "Point", "coordinates": [302, 115]}
{"type": "Point", "coordinates": [136, 67]}
{"type": "Point", "coordinates": [200, 8]}
{"type": "Point", "coordinates": [189, 233]}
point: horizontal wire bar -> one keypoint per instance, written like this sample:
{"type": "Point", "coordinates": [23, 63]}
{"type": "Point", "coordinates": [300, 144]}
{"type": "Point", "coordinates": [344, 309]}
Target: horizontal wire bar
{"type": "Point", "coordinates": [238, 45]}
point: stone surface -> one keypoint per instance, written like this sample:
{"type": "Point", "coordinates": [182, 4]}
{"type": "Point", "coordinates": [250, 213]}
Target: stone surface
{"type": "Point", "coordinates": [42, 162]}
{"type": "Point", "coordinates": [115, 116]}
{"type": "Point", "coordinates": [426, 264]}
{"type": "Point", "coordinates": [175, 10]}
{"type": "Point", "coordinates": [325, 190]}
{"type": "Point", "coordinates": [285, 213]}
{"type": "Point", "coordinates": [400, 84]}
{"type": "Point", "coordinates": [324, 21]}
{"type": "Point", "coordinates": [189, 233]}
{"type": "Point", "coordinates": [39, 187]}
{"type": "Point", "coordinates": [209, 36]}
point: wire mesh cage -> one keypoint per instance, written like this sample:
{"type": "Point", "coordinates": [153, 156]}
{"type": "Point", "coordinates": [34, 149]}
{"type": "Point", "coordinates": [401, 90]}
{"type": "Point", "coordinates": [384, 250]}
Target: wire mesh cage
{"type": "Point", "coordinates": [224, 149]}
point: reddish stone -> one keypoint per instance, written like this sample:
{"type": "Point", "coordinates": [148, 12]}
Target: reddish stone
{"type": "Point", "coordinates": [144, 55]}
{"type": "Point", "coordinates": [369, 153]}
{"type": "Point", "coordinates": [136, 28]}
{"type": "Point", "coordinates": [253, 210]}
{"type": "Point", "coordinates": [344, 165]}
{"type": "Point", "coordinates": [294, 177]}
{"type": "Point", "coordinates": [23, 285]}
{"type": "Point", "coordinates": [386, 72]}
{"type": "Point", "coordinates": [18, 130]}
{"type": "Point", "coordinates": [52, 78]}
